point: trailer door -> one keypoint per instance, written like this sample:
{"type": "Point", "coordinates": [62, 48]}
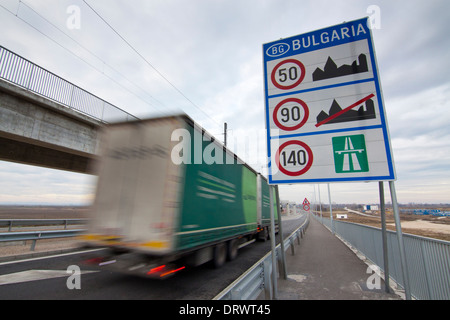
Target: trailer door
{"type": "Point", "coordinates": [138, 189]}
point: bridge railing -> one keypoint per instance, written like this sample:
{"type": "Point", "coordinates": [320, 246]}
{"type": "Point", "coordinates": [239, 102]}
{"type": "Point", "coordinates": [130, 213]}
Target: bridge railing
{"type": "Point", "coordinates": [30, 76]}
{"type": "Point", "coordinates": [428, 259]}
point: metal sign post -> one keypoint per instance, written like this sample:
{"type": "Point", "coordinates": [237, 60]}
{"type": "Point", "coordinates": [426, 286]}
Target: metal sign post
{"type": "Point", "coordinates": [384, 237]}
{"type": "Point", "coordinates": [320, 204]}
{"type": "Point", "coordinates": [272, 242]}
{"type": "Point", "coordinates": [283, 269]}
{"type": "Point", "coordinates": [401, 245]}
{"type": "Point", "coordinates": [331, 209]}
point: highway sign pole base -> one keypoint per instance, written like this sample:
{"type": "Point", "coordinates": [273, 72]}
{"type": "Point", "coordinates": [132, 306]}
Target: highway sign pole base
{"type": "Point", "coordinates": [384, 237]}
{"type": "Point", "coordinates": [272, 242]}
{"type": "Point", "coordinates": [283, 268]}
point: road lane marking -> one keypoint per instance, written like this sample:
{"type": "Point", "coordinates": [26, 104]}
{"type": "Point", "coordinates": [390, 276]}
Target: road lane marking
{"type": "Point", "coordinates": [49, 257]}
{"type": "Point", "coordinates": [34, 275]}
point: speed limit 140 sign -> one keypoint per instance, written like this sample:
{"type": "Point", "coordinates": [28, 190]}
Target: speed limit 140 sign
{"type": "Point", "coordinates": [294, 158]}
{"type": "Point", "coordinates": [324, 111]}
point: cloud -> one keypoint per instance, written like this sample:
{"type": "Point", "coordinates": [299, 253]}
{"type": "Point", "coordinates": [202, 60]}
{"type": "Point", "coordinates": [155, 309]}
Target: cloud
{"type": "Point", "coordinates": [421, 140]}
{"type": "Point", "coordinates": [410, 46]}
{"type": "Point", "coordinates": [31, 185]}
{"type": "Point", "coordinates": [211, 52]}
{"type": "Point", "coordinates": [421, 112]}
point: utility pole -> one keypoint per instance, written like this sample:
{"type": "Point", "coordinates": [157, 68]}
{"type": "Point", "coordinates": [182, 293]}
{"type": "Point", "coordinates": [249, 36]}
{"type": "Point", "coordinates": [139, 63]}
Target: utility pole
{"type": "Point", "coordinates": [225, 134]}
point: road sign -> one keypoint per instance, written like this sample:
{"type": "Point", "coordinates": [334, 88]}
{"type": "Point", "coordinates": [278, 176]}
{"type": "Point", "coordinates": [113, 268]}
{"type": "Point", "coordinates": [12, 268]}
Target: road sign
{"type": "Point", "coordinates": [306, 205]}
{"type": "Point", "coordinates": [288, 74]}
{"type": "Point", "coordinates": [294, 158]}
{"type": "Point", "coordinates": [350, 154]}
{"type": "Point", "coordinates": [324, 109]}
{"type": "Point", "coordinates": [290, 114]}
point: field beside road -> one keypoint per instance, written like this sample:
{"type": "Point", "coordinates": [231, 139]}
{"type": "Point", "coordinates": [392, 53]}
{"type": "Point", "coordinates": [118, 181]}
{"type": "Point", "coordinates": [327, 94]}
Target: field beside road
{"type": "Point", "coordinates": [39, 212]}
{"type": "Point", "coordinates": [43, 212]}
{"type": "Point", "coordinates": [422, 225]}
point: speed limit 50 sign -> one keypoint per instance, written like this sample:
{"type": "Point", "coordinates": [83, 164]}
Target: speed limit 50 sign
{"type": "Point", "coordinates": [288, 74]}
{"type": "Point", "coordinates": [324, 110]}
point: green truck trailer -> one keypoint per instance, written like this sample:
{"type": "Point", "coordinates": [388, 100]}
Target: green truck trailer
{"type": "Point", "coordinates": [169, 195]}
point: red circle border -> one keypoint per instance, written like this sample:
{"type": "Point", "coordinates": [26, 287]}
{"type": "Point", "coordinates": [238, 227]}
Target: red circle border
{"type": "Point", "coordinates": [295, 173]}
{"type": "Point", "coordinates": [279, 86]}
{"type": "Point", "coordinates": [298, 126]}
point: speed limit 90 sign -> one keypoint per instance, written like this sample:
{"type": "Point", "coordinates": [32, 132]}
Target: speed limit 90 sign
{"type": "Point", "coordinates": [290, 114]}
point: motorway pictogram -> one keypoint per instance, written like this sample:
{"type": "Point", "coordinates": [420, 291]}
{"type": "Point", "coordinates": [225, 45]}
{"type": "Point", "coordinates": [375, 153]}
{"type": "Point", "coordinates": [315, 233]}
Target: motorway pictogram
{"type": "Point", "coordinates": [350, 154]}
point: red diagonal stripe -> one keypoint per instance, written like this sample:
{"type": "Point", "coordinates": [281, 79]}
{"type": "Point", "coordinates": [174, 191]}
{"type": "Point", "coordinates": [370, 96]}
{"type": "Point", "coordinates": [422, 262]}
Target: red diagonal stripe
{"type": "Point", "coordinates": [345, 110]}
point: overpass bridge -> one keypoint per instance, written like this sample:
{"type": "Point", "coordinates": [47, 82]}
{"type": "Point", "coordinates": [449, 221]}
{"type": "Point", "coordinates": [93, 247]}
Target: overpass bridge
{"type": "Point", "coordinates": [47, 121]}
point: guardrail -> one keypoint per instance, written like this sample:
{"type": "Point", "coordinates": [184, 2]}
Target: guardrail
{"type": "Point", "coordinates": [428, 259]}
{"type": "Point", "coordinates": [32, 77]}
{"type": "Point", "coordinates": [38, 235]}
{"type": "Point", "coordinates": [258, 278]}
{"type": "Point", "coordinates": [11, 236]}
{"type": "Point", "coordinates": [10, 223]}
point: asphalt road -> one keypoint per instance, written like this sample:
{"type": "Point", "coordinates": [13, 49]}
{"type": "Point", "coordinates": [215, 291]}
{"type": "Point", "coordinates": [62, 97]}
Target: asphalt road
{"type": "Point", "coordinates": [200, 283]}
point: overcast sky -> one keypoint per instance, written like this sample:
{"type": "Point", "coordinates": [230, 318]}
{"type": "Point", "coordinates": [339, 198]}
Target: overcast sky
{"type": "Point", "coordinates": [211, 52]}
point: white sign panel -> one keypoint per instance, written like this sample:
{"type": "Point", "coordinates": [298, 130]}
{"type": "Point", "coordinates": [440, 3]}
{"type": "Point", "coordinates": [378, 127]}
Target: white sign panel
{"type": "Point", "coordinates": [324, 109]}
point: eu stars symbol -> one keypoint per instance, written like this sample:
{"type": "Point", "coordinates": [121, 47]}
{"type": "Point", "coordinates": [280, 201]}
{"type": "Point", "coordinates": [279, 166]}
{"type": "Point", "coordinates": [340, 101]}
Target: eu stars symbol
{"type": "Point", "coordinates": [350, 154]}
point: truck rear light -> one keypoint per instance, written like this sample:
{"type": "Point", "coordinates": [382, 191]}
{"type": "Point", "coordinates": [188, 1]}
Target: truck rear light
{"type": "Point", "coordinates": [171, 272]}
{"type": "Point", "coordinates": [164, 271]}
{"type": "Point", "coordinates": [157, 269]}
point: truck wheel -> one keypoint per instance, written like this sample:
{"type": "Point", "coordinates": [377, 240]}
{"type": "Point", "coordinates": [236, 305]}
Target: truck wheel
{"type": "Point", "coordinates": [232, 249]}
{"type": "Point", "coordinates": [220, 255]}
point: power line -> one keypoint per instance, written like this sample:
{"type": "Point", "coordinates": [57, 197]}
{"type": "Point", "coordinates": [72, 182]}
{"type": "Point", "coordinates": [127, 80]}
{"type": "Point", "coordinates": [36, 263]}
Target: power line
{"type": "Point", "coordinates": [16, 14]}
{"type": "Point", "coordinates": [96, 56]}
{"type": "Point", "coordinates": [148, 63]}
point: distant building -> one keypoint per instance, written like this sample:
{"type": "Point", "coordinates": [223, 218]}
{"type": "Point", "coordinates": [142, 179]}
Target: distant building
{"type": "Point", "coordinates": [370, 208]}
